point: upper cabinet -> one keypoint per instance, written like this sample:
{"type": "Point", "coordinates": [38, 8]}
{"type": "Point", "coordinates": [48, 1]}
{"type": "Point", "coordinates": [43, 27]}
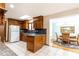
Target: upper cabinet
{"type": "Point", "coordinates": [2, 12]}
{"type": "Point", "coordinates": [38, 22]}
{"type": "Point", "coordinates": [12, 21]}
{"type": "Point", "coordinates": [2, 8]}
{"type": "Point", "coordinates": [2, 22]}
{"type": "Point", "coordinates": [24, 24]}
{"type": "Point", "coordinates": [2, 5]}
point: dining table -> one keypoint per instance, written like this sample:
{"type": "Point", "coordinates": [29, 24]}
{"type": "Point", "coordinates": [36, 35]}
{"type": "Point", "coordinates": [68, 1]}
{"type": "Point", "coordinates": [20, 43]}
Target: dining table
{"type": "Point", "coordinates": [68, 37]}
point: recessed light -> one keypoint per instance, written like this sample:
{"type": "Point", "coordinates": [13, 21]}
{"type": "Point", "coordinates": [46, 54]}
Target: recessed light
{"type": "Point", "coordinates": [25, 17]}
{"type": "Point", "coordinates": [11, 6]}
{"type": "Point", "coordinates": [31, 21]}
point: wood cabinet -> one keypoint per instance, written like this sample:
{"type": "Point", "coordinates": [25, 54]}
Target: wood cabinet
{"type": "Point", "coordinates": [35, 43]}
{"type": "Point", "coordinates": [23, 37]}
{"type": "Point", "coordinates": [24, 24]}
{"type": "Point", "coordinates": [12, 21]}
{"type": "Point", "coordinates": [2, 33]}
{"type": "Point", "coordinates": [1, 19]}
{"type": "Point", "coordinates": [38, 22]}
{"type": "Point", "coordinates": [2, 22]}
{"type": "Point", "coordinates": [2, 5]}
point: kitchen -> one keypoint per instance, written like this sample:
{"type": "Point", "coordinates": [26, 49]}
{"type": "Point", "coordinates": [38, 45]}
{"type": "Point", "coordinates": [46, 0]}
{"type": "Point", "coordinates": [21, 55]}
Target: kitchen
{"type": "Point", "coordinates": [28, 31]}
{"type": "Point", "coordinates": [34, 37]}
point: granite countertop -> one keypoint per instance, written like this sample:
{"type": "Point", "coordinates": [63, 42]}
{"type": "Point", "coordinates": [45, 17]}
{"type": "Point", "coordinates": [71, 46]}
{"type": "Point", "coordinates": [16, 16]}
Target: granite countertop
{"type": "Point", "coordinates": [35, 34]}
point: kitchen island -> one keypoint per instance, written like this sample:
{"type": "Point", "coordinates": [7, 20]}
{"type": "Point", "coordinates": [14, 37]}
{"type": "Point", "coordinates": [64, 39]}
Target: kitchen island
{"type": "Point", "coordinates": [35, 41]}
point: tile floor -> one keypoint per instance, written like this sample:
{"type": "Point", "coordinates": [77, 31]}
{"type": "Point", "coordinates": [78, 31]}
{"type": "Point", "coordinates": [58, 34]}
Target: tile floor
{"type": "Point", "coordinates": [20, 49]}
{"type": "Point", "coordinates": [5, 51]}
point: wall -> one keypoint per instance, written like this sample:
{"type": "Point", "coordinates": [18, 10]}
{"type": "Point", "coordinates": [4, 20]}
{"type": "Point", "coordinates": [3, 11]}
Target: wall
{"type": "Point", "coordinates": [54, 16]}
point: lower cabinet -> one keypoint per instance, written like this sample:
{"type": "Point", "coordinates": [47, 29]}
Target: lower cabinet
{"type": "Point", "coordinates": [23, 37]}
{"type": "Point", "coordinates": [2, 33]}
{"type": "Point", "coordinates": [35, 43]}
{"type": "Point", "coordinates": [30, 43]}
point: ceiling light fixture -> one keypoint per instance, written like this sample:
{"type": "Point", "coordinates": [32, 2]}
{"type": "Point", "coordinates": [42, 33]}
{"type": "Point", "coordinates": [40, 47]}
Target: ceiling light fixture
{"type": "Point", "coordinates": [26, 17]}
{"type": "Point", "coordinates": [31, 21]}
{"type": "Point", "coordinates": [11, 6]}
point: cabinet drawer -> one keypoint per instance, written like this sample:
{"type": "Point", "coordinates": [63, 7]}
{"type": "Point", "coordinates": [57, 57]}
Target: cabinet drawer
{"type": "Point", "coordinates": [23, 37]}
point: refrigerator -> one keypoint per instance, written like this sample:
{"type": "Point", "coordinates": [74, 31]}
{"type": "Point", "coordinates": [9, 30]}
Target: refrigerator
{"type": "Point", "coordinates": [14, 33]}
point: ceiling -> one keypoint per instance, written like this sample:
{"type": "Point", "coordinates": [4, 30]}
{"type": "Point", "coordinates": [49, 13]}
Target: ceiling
{"type": "Point", "coordinates": [36, 9]}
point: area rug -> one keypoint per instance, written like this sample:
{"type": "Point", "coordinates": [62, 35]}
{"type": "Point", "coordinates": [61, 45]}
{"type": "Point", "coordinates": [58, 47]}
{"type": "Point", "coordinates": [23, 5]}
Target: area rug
{"type": "Point", "coordinates": [71, 47]}
{"type": "Point", "coordinates": [5, 51]}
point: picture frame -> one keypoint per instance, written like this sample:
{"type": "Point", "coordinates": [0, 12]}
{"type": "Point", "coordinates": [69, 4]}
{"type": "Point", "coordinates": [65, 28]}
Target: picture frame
{"type": "Point", "coordinates": [67, 29]}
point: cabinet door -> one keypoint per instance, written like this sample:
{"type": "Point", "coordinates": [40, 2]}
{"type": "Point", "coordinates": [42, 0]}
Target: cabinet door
{"type": "Point", "coordinates": [23, 37]}
{"type": "Point", "coordinates": [1, 19]}
{"type": "Point", "coordinates": [2, 33]}
{"type": "Point", "coordinates": [30, 43]}
{"type": "Point", "coordinates": [44, 40]}
{"type": "Point", "coordinates": [24, 24]}
{"type": "Point", "coordinates": [27, 24]}
{"type": "Point", "coordinates": [38, 42]}
{"type": "Point", "coordinates": [38, 23]}
{"type": "Point", "coordinates": [2, 5]}
{"type": "Point", "coordinates": [35, 24]}
{"type": "Point", "coordinates": [30, 46]}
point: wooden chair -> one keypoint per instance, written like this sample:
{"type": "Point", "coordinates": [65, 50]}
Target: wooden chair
{"type": "Point", "coordinates": [76, 39]}
{"type": "Point", "coordinates": [66, 38]}
{"type": "Point", "coordinates": [58, 37]}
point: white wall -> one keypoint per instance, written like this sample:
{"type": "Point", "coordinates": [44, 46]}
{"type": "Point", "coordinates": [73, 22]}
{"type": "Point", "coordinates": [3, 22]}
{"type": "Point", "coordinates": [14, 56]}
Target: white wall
{"type": "Point", "coordinates": [54, 25]}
